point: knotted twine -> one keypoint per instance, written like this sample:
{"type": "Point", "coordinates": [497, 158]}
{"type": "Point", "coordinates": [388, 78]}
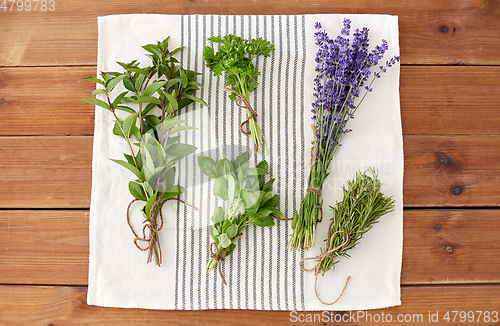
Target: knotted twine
{"type": "Point", "coordinates": [243, 103]}
{"type": "Point", "coordinates": [220, 256]}
{"type": "Point", "coordinates": [152, 226]}
{"type": "Point", "coordinates": [329, 250]}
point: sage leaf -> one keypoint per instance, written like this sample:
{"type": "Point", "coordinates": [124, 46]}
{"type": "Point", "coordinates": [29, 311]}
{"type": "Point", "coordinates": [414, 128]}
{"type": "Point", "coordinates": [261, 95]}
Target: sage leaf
{"type": "Point", "coordinates": [220, 188]}
{"type": "Point", "coordinates": [218, 215]}
{"type": "Point", "coordinates": [241, 160]}
{"type": "Point", "coordinates": [213, 231]}
{"type": "Point", "coordinates": [224, 167]}
{"type": "Point", "coordinates": [231, 188]}
{"type": "Point", "coordinates": [232, 231]}
{"type": "Point", "coordinates": [207, 166]}
{"type": "Point", "coordinates": [224, 241]}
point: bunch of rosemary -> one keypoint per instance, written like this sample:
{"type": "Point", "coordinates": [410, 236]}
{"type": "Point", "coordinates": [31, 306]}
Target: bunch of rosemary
{"type": "Point", "coordinates": [361, 207]}
{"type": "Point", "coordinates": [152, 97]}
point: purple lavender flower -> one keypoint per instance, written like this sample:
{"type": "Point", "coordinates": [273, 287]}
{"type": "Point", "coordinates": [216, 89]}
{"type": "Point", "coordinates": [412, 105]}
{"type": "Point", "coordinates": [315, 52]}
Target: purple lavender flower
{"type": "Point", "coordinates": [342, 67]}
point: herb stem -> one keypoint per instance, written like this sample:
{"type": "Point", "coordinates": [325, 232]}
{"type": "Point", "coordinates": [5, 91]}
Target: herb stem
{"type": "Point", "coordinates": [121, 128]}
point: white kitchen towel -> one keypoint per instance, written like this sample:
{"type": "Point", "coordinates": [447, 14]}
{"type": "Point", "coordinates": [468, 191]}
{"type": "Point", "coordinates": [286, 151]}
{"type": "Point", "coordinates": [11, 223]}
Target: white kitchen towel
{"type": "Point", "coordinates": [261, 273]}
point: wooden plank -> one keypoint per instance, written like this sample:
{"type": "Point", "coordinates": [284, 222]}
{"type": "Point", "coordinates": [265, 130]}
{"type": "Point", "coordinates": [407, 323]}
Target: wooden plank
{"type": "Point", "coordinates": [40, 305]}
{"type": "Point", "coordinates": [440, 246]}
{"type": "Point", "coordinates": [451, 246]}
{"type": "Point", "coordinates": [450, 100]}
{"type": "Point", "coordinates": [432, 32]}
{"type": "Point", "coordinates": [452, 171]}
{"type": "Point", "coordinates": [45, 172]}
{"type": "Point", "coordinates": [440, 171]}
{"type": "Point", "coordinates": [434, 100]}
{"type": "Point", "coordinates": [44, 247]}
{"type": "Point", "coordinates": [44, 101]}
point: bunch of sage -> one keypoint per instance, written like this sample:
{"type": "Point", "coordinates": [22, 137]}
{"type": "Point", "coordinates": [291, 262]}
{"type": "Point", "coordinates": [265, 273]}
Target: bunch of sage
{"type": "Point", "coordinates": [248, 201]}
{"type": "Point", "coordinates": [152, 97]}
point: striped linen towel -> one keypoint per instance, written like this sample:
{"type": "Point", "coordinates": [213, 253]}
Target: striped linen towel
{"type": "Point", "coordinates": [261, 273]}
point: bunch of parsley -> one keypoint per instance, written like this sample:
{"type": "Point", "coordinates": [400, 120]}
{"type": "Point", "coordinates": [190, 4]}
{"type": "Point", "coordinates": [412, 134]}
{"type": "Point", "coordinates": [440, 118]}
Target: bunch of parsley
{"type": "Point", "coordinates": [235, 57]}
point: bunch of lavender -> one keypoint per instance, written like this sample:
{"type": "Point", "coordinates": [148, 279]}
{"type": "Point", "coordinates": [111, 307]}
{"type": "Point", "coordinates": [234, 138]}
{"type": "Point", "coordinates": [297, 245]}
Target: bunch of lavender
{"type": "Point", "coordinates": [342, 70]}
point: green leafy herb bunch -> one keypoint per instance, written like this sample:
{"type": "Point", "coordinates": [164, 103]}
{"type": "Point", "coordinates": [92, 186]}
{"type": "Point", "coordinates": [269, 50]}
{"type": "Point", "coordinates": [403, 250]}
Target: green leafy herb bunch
{"type": "Point", "coordinates": [235, 58]}
{"type": "Point", "coordinates": [248, 200]}
{"type": "Point", "coordinates": [361, 207]}
{"type": "Point", "coordinates": [151, 98]}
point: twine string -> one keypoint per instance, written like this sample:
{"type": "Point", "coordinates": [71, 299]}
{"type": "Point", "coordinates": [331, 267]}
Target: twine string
{"type": "Point", "coordinates": [152, 238]}
{"type": "Point", "coordinates": [316, 268]}
{"type": "Point", "coordinates": [243, 103]}
{"type": "Point", "coordinates": [220, 256]}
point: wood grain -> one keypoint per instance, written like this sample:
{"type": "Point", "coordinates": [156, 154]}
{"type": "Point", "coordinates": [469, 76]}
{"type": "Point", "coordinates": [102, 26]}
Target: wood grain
{"type": "Point", "coordinates": [42, 305]}
{"type": "Point", "coordinates": [450, 100]}
{"type": "Point", "coordinates": [432, 32]}
{"type": "Point", "coordinates": [451, 246]}
{"type": "Point", "coordinates": [450, 103]}
{"type": "Point", "coordinates": [452, 171]}
{"type": "Point", "coordinates": [440, 246]}
{"type": "Point", "coordinates": [44, 247]}
{"type": "Point", "coordinates": [434, 100]}
{"type": "Point", "coordinates": [44, 101]}
{"type": "Point", "coordinates": [440, 171]}
{"type": "Point", "coordinates": [45, 172]}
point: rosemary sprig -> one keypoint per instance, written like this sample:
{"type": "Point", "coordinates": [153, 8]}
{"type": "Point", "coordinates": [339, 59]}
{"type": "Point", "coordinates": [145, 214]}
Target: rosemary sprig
{"type": "Point", "coordinates": [363, 204]}
{"type": "Point", "coordinates": [361, 207]}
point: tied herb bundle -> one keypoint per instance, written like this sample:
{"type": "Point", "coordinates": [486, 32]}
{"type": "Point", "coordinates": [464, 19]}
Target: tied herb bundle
{"type": "Point", "coordinates": [248, 201]}
{"type": "Point", "coordinates": [361, 207]}
{"type": "Point", "coordinates": [151, 99]}
{"type": "Point", "coordinates": [342, 70]}
{"type": "Point", "coordinates": [235, 57]}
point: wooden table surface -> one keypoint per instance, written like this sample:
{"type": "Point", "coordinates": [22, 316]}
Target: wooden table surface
{"type": "Point", "coordinates": [450, 107]}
